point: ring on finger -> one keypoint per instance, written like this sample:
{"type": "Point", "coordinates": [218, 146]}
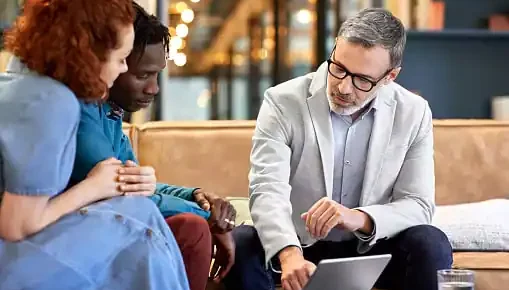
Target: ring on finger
{"type": "Point", "coordinates": [229, 222]}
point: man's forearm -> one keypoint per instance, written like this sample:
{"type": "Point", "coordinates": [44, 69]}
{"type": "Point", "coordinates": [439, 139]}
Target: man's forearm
{"type": "Point", "coordinates": [178, 191]}
{"type": "Point", "coordinates": [170, 205]}
{"type": "Point", "coordinates": [289, 252]}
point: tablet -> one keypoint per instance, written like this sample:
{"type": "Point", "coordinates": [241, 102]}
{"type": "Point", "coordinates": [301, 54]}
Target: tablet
{"type": "Point", "coordinates": [358, 273]}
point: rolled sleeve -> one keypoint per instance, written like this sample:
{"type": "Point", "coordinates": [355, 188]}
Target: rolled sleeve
{"type": "Point", "coordinates": [170, 205]}
{"type": "Point", "coordinates": [178, 191]}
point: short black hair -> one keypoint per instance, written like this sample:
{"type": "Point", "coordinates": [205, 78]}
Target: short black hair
{"type": "Point", "coordinates": [148, 30]}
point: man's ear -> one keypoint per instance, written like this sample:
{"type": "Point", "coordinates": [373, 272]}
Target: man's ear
{"type": "Point", "coordinates": [392, 75]}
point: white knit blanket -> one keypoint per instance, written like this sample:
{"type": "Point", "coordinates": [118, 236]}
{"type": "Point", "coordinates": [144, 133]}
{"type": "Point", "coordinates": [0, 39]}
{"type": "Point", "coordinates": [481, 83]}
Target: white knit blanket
{"type": "Point", "coordinates": [481, 226]}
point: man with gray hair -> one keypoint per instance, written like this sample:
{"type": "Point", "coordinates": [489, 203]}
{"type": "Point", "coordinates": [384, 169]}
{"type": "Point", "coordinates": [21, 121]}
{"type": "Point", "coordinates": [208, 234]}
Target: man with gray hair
{"type": "Point", "coordinates": [341, 166]}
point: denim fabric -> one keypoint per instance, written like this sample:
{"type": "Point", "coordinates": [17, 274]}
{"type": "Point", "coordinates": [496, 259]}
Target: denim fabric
{"type": "Point", "coordinates": [121, 243]}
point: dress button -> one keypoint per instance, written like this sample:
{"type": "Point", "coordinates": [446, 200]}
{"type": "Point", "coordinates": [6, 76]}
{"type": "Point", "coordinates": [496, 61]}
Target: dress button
{"type": "Point", "coordinates": [119, 217]}
{"type": "Point", "coordinates": [83, 211]}
{"type": "Point", "coordinates": [148, 233]}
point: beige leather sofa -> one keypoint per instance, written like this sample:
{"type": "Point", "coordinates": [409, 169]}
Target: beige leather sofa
{"type": "Point", "coordinates": [471, 160]}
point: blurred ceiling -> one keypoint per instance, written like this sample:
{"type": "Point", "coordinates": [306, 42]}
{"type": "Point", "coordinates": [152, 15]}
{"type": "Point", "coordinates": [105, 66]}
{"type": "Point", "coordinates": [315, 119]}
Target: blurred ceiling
{"type": "Point", "coordinates": [204, 30]}
{"type": "Point", "coordinates": [216, 24]}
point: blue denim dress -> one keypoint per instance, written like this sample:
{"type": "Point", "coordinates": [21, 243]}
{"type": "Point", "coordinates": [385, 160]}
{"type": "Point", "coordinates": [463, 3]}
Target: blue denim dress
{"type": "Point", "coordinates": [121, 243]}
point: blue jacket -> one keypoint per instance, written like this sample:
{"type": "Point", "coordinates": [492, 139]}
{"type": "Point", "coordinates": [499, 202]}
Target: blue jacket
{"type": "Point", "coordinates": [100, 137]}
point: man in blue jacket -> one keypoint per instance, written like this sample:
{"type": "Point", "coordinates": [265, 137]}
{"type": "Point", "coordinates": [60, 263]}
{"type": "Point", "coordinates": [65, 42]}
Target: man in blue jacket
{"type": "Point", "coordinates": [195, 216]}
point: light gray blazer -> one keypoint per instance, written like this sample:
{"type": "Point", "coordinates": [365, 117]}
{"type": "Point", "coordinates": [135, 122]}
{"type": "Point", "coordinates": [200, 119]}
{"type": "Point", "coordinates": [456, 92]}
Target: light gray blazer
{"type": "Point", "coordinates": [292, 162]}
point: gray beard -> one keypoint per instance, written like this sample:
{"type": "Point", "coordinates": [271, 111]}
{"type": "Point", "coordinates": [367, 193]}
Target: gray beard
{"type": "Point", "coordinates": [349, 110]}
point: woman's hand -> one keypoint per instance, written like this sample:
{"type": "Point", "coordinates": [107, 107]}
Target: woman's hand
{"type": "Point", "coordinates": [105, 178]}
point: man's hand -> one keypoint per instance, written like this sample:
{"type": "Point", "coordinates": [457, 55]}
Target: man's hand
{"type": "Point", "coordinates": [137, 180]}
{"type": "Point", "coordinates": [326, 214]}
{"type": "Point", "coordinates": [222, 213]}
{"type": "Point", "coordinates": [224, 257]}
{"type": "Point", "coordinates": [295, 270]}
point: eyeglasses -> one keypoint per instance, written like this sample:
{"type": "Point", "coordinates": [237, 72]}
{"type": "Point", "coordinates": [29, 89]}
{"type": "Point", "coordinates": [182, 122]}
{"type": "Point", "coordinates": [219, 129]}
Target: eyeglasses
{"type": "Point", "coordinates": [360, 82]}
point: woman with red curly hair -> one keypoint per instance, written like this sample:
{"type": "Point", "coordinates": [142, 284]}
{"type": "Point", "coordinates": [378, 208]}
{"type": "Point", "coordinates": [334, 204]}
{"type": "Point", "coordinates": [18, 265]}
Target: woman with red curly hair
{"type": "Point", "coordinates": [89, 236]}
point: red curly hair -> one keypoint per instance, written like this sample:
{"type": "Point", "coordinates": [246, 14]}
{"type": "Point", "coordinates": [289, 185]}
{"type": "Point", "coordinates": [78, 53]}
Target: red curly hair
{"type": "Point", "coordinates": [69, 40]}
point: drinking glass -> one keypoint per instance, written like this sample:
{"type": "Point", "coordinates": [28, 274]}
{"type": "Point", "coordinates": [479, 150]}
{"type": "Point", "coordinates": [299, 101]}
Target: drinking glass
{"type": "Point", "coordinates": [455, 279]}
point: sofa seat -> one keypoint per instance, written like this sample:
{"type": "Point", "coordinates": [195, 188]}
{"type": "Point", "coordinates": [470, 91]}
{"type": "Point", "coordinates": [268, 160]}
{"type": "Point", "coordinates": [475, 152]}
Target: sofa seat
{"type": "Point", "coordinates": [471, 165]}
{"type": "Point", "coordinates": [481, 260]}
{"type": "Point", "coordinates": [491, 269]}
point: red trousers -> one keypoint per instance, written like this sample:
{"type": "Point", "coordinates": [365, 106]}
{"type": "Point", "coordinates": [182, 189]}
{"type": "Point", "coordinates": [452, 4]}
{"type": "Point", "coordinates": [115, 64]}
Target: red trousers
{"type": "Point", "coordinates": [195, 241]}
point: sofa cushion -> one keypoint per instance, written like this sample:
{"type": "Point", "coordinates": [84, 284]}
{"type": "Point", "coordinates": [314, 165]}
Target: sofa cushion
{"type": "Point", "coordinates": [241, 205]}
{"type": "Point", "coordinates": [471, 160]}
{"type": "Point", "coordinates": [211, 155]}
{"type": "Point", "coordinates": [480, 226]}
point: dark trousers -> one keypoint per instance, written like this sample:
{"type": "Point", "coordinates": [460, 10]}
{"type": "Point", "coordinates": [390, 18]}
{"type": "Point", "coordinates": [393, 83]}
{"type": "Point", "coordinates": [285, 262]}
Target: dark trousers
{"type": "Point", "coordinates": [195, 242]}
{"type": "Point", "coordinates": [417, 254]}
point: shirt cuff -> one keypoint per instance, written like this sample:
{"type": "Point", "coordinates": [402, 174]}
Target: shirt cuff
{"type": "Point", "coordinates": [366, 237]}
{"type": "Point", "coordinates": [191, 193]}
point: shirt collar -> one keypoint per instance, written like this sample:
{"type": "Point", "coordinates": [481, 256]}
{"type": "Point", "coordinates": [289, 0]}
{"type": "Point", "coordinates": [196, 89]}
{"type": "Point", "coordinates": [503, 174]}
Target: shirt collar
{"type": "Point", "coordinates": [373, 104]}
{"type": "Point", "coordinates": [16, 66]}
{"type": "Point", "coordinates": [115, 111]}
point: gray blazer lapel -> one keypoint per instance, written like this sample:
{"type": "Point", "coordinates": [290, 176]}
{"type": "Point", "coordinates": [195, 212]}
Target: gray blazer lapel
{"type": "Point", "coordinates": [380, 137]}
{"type": "Point", "coordinates": [320, 116]}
